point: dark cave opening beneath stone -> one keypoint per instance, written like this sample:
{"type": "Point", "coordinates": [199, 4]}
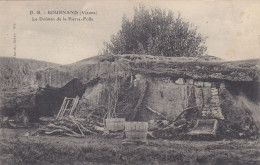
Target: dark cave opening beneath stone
{"type": "Point", "coordinates": [249, 89]}
{"type": "Point", "coordinates": [48, 100]}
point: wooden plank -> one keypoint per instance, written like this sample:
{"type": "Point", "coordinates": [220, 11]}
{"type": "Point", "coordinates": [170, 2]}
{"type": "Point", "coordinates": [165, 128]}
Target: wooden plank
{"type": "Point", "coordinates": [64, 108]}
{"type": "Point", "coordinates": [158, 113]}
{"type": "Point", "coordinates": [72, 108]}
{"type": "Point", "coordinates": [62, 114]}
{"type": "Point", "coordinates": [61, 108]}
{"type": "Point", "coordinates": [75, 102]}
{"type": "Point", "coordinates": [139, 102]}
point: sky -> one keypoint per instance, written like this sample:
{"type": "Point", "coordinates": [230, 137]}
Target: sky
{"type": "Point", "coordinates": [232, 27]}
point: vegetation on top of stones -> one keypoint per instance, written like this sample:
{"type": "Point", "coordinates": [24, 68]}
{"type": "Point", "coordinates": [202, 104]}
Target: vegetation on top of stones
{"type": "Point", "coordinates": [156, 32]}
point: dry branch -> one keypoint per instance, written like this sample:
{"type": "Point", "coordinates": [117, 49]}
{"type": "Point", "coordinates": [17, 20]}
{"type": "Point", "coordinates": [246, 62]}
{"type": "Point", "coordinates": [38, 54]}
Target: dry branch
{"type": "Point", "coordinates": [72, 126]}
{"type": "Point", "coordinates": [54, 131]}
{"type": "Point", "coordinates": [62, 127]}
{"type": "Point", "coordinates": [87, 130]}
{"type": "Point", "coordinates": [154, 111]}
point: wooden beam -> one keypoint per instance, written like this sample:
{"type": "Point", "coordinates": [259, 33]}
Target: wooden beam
{"type": "Point", "coordinates": [61, 108]}
{"type": "Point", "coordinates": [154, 111]}
{"type": "Point", "coordinates": [140, 100]}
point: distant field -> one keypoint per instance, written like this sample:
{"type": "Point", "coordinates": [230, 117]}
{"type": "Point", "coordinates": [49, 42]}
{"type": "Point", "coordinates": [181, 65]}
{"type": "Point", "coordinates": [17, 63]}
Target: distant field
{"type": "Point", "coordinates": [15, 148]}
{"type": "Point", "coordinates": [19, 73]}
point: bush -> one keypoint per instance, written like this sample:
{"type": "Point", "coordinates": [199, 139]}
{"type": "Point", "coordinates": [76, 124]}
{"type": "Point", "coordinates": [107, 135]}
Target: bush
{"type": "Point", "coordinates": [156, 32]}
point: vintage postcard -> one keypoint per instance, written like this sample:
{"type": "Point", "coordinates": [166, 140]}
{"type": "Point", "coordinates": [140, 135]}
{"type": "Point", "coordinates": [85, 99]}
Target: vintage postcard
{"type": "Point", "coordinates": [130, 82]}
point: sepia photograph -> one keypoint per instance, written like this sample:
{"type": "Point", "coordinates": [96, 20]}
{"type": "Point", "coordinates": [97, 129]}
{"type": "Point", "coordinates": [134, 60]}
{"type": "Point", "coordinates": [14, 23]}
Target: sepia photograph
{"type": "Point", "coordinates": [130, 82]}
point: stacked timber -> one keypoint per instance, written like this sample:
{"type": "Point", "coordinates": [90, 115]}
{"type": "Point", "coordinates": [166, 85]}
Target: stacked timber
{"type": "Point", "coordinates": [71, 126]}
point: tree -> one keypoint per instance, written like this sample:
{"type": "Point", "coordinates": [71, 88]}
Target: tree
{"type": "Point", "coordinates": [156, 32]}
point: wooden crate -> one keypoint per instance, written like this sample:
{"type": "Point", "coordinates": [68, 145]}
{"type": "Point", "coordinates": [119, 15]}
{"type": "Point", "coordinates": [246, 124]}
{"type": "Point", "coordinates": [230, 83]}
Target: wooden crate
{"type": "Point", "coordinates": [205, 127]}
{"type": "Point", "coordinates": [136, 131]}
{"type": "Point", "coordinates": [115, 124]}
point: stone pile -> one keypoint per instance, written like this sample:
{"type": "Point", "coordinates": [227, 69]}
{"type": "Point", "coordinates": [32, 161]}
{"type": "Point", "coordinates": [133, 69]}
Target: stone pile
{"type": "Point", "coordinates": [213, 110]}
{"type": "Point", "coordinates": [207, 97]}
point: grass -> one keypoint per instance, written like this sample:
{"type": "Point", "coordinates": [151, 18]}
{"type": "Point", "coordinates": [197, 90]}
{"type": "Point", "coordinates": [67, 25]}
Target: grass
{"type": "Point", "coordinates": [97, 149]}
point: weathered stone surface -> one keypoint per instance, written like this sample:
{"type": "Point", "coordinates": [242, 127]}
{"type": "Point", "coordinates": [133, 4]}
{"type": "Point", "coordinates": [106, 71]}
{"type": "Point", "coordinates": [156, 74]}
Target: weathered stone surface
{"type": "Point", "coordinates": [222, 86]}
{"type": "Point", "coordinates": [21, 72]}
{"type": "Point", "coordinates": [190, 81]}
{"type": "Point", "coordinates": [212, 112]}
{"type": "Point", "coordinates": [167, 79]}
{"type": "Point", "coordinates": [207, 84]}
{"type": "Point", "coordinates": [214, 99]}
{"type": "Point", "coordinates": [199, 83]}
{"type": "Point", "coordinates": [218, 109]}
{"type": "Point", "coordinates": [206, 109]}
{"type": "Point", "coordinates": [180, 81]}
{"type": "Point", "coordinates": [214, 90]}
{"type": "Point", "coordinates": [215, 93]}
{"type": "Point", "coordinates": [169, 98]}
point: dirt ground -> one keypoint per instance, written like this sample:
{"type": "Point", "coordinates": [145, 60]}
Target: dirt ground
{"type": "Point", "coordinates": [16, 148]}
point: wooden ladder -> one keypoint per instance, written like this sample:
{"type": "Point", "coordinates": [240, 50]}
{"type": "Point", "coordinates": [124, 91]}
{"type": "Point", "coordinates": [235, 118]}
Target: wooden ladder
{"type": "Point", "coordinates": [68, 107]}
